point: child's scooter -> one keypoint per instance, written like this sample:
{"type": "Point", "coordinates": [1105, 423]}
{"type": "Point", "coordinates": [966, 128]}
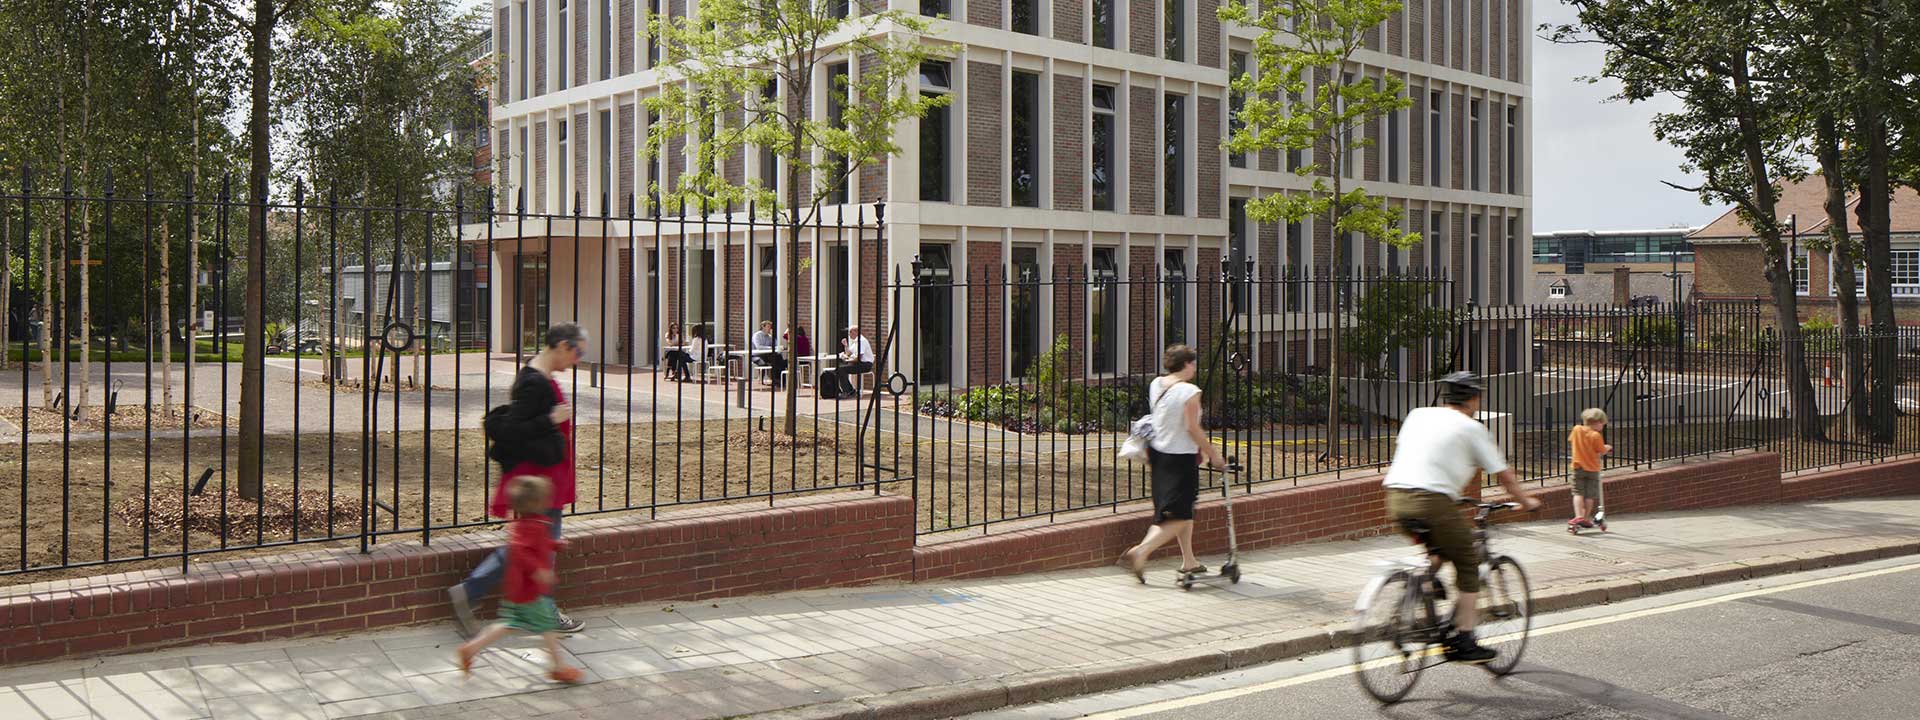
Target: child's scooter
{"type": "Point", "coordinates": [1599, 512]}
{"type": "Point", "coordinates": [1229, 570]}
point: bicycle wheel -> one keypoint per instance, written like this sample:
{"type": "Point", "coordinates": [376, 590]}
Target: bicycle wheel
{"type": "Point", "coordinates": [1506, 612]}
{"type": "Point", "coordinates": [1388, 653]}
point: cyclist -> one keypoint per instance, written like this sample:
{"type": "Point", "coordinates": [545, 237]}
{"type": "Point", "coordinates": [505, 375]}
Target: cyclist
{"type": "Point", "coordinates": [1438, 450]}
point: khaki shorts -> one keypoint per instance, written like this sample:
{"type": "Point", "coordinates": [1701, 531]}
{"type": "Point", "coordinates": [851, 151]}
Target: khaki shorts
{"type": "Point", "coordinates": [1449, 536]}
{"type": "Point", "coordinates": [1586, 483]}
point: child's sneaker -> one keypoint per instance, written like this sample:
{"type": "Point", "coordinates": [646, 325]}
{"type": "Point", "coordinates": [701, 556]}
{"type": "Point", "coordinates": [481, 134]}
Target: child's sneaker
{"type": "Point", "coordinates": [567, 674]}
{"type": "Point", "coordinates": [1588, 524]}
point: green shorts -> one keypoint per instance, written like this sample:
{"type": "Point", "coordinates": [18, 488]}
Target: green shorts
{"type": "Point", "coordinates": [1448, 536]}
{"type": "Point", "coordinates": [539, 616]}
{"type": "Point", "coordinates": [1586, 483]}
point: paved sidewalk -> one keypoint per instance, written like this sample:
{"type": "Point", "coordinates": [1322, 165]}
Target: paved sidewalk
{"type": "Point", "coordinates": [927, 650]}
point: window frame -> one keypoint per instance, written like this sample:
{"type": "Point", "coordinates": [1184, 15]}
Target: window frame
{"type": "Point", "coordinates": [1103, 309]}
{"type": "Point", "coordinates": [1023, 140]}
{"type": "Point", "coordinates": [1101, 147]}
{"type": "Point", "coordinates": [932, 86]}
{"type": "Point", "coordinates": [1173, 153]}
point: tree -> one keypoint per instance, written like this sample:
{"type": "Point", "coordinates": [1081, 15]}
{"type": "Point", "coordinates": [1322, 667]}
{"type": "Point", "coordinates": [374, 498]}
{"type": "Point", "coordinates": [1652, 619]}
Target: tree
{"type": "Point", "coordinates": [1736, 124]}
{"type": "Point", "coordinates": [1391, 317]}
{"type": "Point", "coordinates": [719, 64]}
{"type": "Point", "coordinates": [1299, 41]}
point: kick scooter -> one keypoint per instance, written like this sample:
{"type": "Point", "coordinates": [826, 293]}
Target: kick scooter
{"type": "Point", "coordinates": [1229, 570]}
{"type": "Point", "coordinates": [1599, 513]}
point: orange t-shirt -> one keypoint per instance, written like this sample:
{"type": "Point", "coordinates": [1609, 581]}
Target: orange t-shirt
{"type": "Point", "coordinates": [1586, 443]}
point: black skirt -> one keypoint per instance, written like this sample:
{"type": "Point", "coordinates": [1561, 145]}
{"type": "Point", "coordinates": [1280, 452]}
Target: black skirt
{"type": "Point", "coordinates": [1176, 484]}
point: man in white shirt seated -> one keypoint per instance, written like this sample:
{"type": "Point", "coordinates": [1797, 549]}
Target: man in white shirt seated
{"type": "Point", "coordinates": [766, 352]}
{"type": "Point", "coordinates": [856, 357]}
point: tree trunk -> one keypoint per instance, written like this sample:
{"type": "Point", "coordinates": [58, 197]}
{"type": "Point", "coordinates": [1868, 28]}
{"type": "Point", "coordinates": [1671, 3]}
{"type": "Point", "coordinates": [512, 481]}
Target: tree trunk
{"type": "Point", "coordinates": [252, 360]}
{"type": "Point", "coordinates": [86, 310]}
{"type": "Point", "coordinates": [1875, 193]}
{"type": "Point", "coordinates": [791, 425]}
{"type": "Point", "coordinates": [47, 315]}
{"type": "Point", "coordinates": [1827, 149]}
{"type": "Point", "coordinates": [6, 287]}
{"type": "Point", "coordinates": [166, 323]}
{"type": "Point", "coordinates": [1805, 408]}
{"type": "Point", "coordinates": [1334, 299]}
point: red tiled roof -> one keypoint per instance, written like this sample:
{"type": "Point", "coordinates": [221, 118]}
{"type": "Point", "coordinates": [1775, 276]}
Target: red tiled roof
{"type": "Point", "coordinates": [1807, 199]}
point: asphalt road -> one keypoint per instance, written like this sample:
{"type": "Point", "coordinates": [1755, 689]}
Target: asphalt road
{"type": "Point", "coordinates": [1839, 644]}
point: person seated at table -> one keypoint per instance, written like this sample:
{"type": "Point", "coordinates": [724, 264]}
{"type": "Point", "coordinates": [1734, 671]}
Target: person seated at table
{"type": "Point", "coordinates": [696, 349]}
{"type": "Point", "coordinates": [856, 357]}
{"type": "Point", "coordinates": [802, 346]}
{"type": "Point", "coordinates": [676, 357]}
{"type": "Point", "coordinates": [765, 352]}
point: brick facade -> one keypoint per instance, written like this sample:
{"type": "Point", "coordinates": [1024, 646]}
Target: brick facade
{"type": "Point", "coordinates": [984, 14]}
{"type": "Point", "coordinates": [539, 15]}
{"type": "Point", "coordinates": [503, 39]}
{"type": "Point", "coordinates": [623, 168]}
{"type": "Point", "coordinates": [1143, 151]}
{"type": "Point", "coordinates": [626, 349]}
{"type": "Point", "coordinates": [1143, 305]}
{"type": "Point", "coordinates": [624, 62]}
{"type": "Point", "coordinates": [1208, 156]}
{"type": "Point", "coordinates": [986, 304]}
{"type": "Point", "coordinates": [1479, 42]}
{"type": "Point", "coordinates": [1143, 28]}
{"type": "Point", "coordinates": [676, 162]}
{"type": "Point", "coordinates": [577, 139]}
{"type": "Point", "coordinates": [579, 76]}
{"type": "Point", "coordinates": [540, 166]}
{"type": "Point", "coordinates": [873, 172]}
{"type": "Point", "coordinates": [1417, 137]}
{"type": "Point", "coordinates": [1396, 33]}
{"type": "Point", "coordinates": [1069, 143]}
{"type": "Point", "coordinates": [1458, 109]}
{"type": "Point", "coordinates": [1457, 27]}
{"type": "Point", "coordinates": [1496, 31]}
{"type": "Point", "coordinates": [1514, 38]}
{"type": "Point", "coordinates": [1457, 253]}
{"type": "Point", "coordinates": [985, 117]}
{"type": "Point", "coordinates": [1209, 307]}
{"type": "Point", "coordinates": [735, 305]}
{"type": "Point", "coordinates": [1730, 271]}
{"type": "Point", "coordinates": [873, 302]}
{"type": "Point", "coordinates": [1070, 303]}
{"type": "Point", "coordinates": [1437, 22]}
{"type": "Point", "coordinates": [1496, 147]}
{"type": "Point", "coordinates": [1417, 30]}
{"type": "Point", "coordinates": [1069, 19]}
{"type": "Point", "coordinates": [1206, 15]}
{"type": "Point", "coordinates": [1370, 164]}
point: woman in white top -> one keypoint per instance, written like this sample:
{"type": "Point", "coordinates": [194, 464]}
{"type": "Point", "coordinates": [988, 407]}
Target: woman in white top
{"type": "Point", "coordinates": [1178, 448]}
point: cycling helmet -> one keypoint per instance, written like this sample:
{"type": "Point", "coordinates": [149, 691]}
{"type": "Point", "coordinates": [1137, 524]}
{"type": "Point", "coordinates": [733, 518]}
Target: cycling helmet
{"type": "Point", "coordinates": [1459, 387]}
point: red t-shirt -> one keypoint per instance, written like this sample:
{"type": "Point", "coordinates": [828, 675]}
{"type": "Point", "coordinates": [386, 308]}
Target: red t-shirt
{"type": "Point", "coordinates": [530, 548]}
{"type": "Point", "coordinates": [560, 475]}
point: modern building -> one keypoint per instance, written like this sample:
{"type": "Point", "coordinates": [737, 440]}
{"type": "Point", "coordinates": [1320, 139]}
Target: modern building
{"type": "Point", "coordinates": [1732, 263]}
{"type": "Point", "coordinates": [1617, 267]}
{"type": "Point", "coordinates": [1083, 142]}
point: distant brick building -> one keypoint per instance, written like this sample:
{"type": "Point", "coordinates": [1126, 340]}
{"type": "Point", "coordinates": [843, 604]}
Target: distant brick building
{"type": "Point", "coordinates": [1731, 263]}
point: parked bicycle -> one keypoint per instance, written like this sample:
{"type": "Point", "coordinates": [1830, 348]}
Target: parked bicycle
{"type": "Point", "coordinates": [1399, 623]}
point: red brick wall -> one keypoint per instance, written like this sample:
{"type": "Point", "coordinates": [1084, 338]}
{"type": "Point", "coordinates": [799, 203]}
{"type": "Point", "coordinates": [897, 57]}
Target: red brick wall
{"type": "Point", "coordinates": [1069, 19]}
{"type": "Point", "coordinates": [1879, 480]}
{"type": "Point", "coordinates": [676, 162]}
{"type": "Point", "coordinates": [1396, 33]}
{"type": "Point", "coordinates": [1370, 166]}
{"type": "Point", "coordinates": [1457, 107]}
{"type": "Point", "coordinates": [1417, 29]}
{"type": "Point", "coordinates": [873, 171]}
{"type": "Point", "coordinates": [1457, 26]}
{"type": "Point", "coordinates": [984, 14]}
{"type": "Point", "coordinates": [874, 275]}
{"type": "Point", "coordinates": [1143, 150]}
{"type": "Point", "coordinates": [1417, 136]}
{"type": "Point", "coordinates": [1437, 23]}
{"type": "Point", "coordinates": [1207, 150]}
{"type": "Point", "coordinates": [670, 270]}
{"type": "Point", "coordinates": [1069, 143]}
{"type": "Point", "coordinates": [985, 166]}
{"type": "Point", "coordinates": [1513, 40]}
{"type": "Point", "coordinates": [503, 34]}
{"type": "Point", "coordinates": [1143, 308]}
{"type": "Point", "coordinates": [625, 317]}
{"type": "Point", "coordinates": [736, 295]}
{"type": "Point", "coordinates": [1496, 159]}
{"type": "Point", "coordinates": [1070, 302]}
{"type": "Point", "coordinates": [1206, 14]}
{"type": "Point", "coordinates": [1751, 479]}
{"type": "Point", "coordinates": [986, 305]}
{"type": "Point", "coordinates": [624, 201]}
{"type": "Point", "coordinates": [844, 540]}
{"type": "Point", "coordinates": [578, 12]}
{"type": "Point", "coordinates": [540, 167]}
{"type": "Point", "coordinates": [1479, 43]}
{"type": "Point", "coordinates": [1496, 32]}
{"type": "Point", "coordinates": [1143, 28]}
{"type": "Point", "coordinates": [623, 65]}
{"type": "Point", "coordinates": [539, 15]}
{"type": "Point", "coordinates": [577, 139]}
{"type": "Point", "coordinates": [1209, 305]}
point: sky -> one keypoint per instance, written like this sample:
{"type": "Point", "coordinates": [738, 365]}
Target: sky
{"type": "Point", "coordinates": [1596, 165]}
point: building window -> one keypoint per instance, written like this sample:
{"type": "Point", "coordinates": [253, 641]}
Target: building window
{"type": "Point", "coordinates": [698, 294]}
{"type": "Point", "coordinates": [607, 158]}
{"type": "Point", "coordinates": [659, 164]}
{"type": "Point", "coordinates": [561, 179]}
{"type": "Point", "coordinates": [1295, 157]}
{"type": "Point", "coordinates": [1176, 160]}
{"type": "Point", "coordinates": [1026, 16]}
{"type": "Point", "coordinates": [1513, 149]}
{"type": "Point", "coordinates": [1347, 149]}
{"type": "Point", "coordinates": [1237, 267]}
{"type": "Point", "coordinates": [1801, 283]}
{"type": "Point", "coordinates": [936, 134]}
{"type": "Point", "coordinates": [1025, 155]}
{"type": "Point", "coordinates": [1435, 112]}
{"type": "Point", "coordinates": [769, 162]}
{"type": "Point", "coordinates": [563, 48]}
{"type": "Point", "coordinates": [1236, 101]}
{"type": "Point", "coordinates": [837, 88]}
{"type": "Point", "coordinates": [1438, 256]}
{"type": "Point", "coordinates": [606, 39]}
{"type": "Point", "coordinates": [525, 59]}
{"type": "Point", "coordinates": [1393, 146]}
{"type": "Point", "coordinates": [769, 299]}
{"type": "Point", "coordinates": [933, 8]}
{"type": "Point", "coordinates": [1176, 27]}
{"type": "Point", "coordinates": [1105, 307]}
{"type": "Point", "coordinates": [1906, 272]}
{"type": "Point", "coordinates": [526, 172]}
{"type": "Point", "coordinates": [653, 45]}
{"type": "Point", "coordinates": [1474, 163]}
{"type": "Point", "coordinates": [839, 268]}
{"type": "Point", "coordinates": [1560, 289]}
{"type": "Point", "coordinates": [653, 303]}
{"type": "Point", "coordinates": [1295, 237]}
{"type": "Point", "coordinates": [836, 8]}
{"type": "Point", "coordinates": [1103, 24]}
{"type": "Point", "coordinates": [934, 296]}
{"type": "Point", "coordinates": [1024, 342]}
{"type": "Point", "coordinates": [1174, 306]}
{"type": "Point", "coordinates": [1512, 248]}
{"type": "Point", "coordinates": [1476, 250]}
{"type": "Point", "coordinates": [1102, 160]}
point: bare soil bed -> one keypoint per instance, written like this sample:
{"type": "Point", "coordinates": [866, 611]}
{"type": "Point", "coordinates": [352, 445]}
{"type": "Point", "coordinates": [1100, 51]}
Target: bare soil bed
{"type": "Point", "coordinates": [125, 418]}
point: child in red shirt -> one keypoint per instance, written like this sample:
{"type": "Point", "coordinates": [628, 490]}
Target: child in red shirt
{"type": "Point", "coordinates": [526, 598]}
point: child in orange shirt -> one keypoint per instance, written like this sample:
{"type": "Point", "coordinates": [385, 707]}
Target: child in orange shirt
{"type": "Point", "coordinates": [526, 597]}
{"type": "Point", "coordinates": [1588, 447]}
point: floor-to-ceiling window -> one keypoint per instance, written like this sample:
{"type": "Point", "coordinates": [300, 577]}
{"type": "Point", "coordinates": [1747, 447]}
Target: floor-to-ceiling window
{"type": "Point", "coordinates": [1023, 305]}
{"type": "Point", "coordinates": [768, 298]}
{"type": "Point", "coordinates": [934, 295]}
{"type": "Point", "coordinates": [1104, 304]}
{"type": "Point", "coordinates": [1025, 151]}
{"type": "Point", "coordinates": [1102, 161]}
{"type": "Point", "coordinates": [1174, 305]}
{"type": "Point", "coordinates": [1175, 122]}
{"type": "Point", "coordinates": [936, 135]}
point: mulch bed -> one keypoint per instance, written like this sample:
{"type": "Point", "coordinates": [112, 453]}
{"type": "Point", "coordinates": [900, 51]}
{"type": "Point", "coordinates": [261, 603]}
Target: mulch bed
{"type": "Point", "coordinates": [126, 418]}
{"type": "Point", "coordinates": [277, 518]}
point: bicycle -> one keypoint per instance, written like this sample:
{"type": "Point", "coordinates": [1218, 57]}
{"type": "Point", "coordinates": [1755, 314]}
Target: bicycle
{"type": "Point", "coordinates": [1391, 651]}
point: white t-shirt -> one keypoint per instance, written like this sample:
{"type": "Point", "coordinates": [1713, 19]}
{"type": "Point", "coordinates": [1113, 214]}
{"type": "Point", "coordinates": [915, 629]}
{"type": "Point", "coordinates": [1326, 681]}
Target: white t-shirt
{"type": "Point", "coordinates": [859, 350]}
{"type": "Point", "coordinates": [1438, 450]}
{"type": "Point", "coordinates": [1170, 434]}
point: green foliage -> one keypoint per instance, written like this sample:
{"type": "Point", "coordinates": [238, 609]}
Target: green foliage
{"type": "Point", "coordinates": [1298, 42]}
{"type": "Point", "coordinates": [719, 62]}
{"type": "Point", "coordinates": [1650, 332]}
{"type": "Point", "coordinates": [1392, 316]}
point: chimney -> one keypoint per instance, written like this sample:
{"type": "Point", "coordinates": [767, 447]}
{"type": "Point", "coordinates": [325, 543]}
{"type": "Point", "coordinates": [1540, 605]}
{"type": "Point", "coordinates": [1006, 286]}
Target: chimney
{"type": "Point", "coordinates": [1622, 287]}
